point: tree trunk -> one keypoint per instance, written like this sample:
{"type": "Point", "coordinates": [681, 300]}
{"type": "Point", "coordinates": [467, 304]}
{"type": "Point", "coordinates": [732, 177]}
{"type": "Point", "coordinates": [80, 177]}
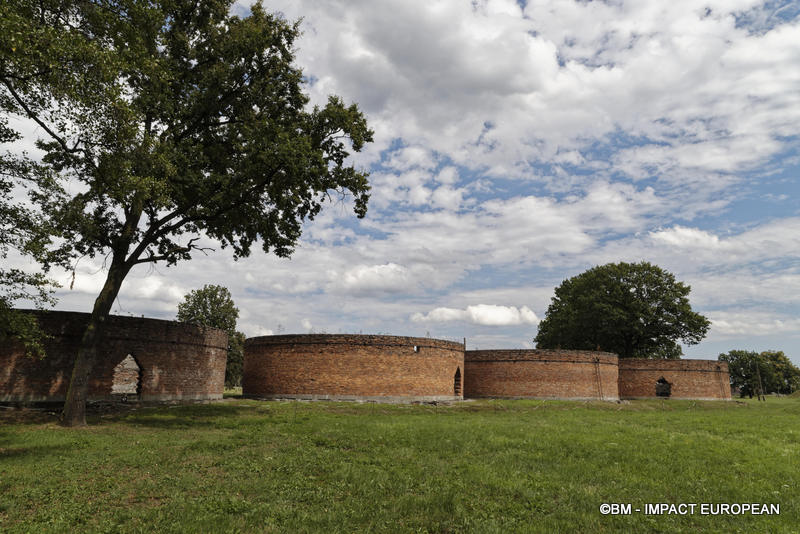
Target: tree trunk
{"type": "Point", "coordinates": [74, 413]}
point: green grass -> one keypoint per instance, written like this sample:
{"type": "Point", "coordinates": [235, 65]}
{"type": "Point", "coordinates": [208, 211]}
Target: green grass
{"type": "Point", "coordinates": [485, 466]}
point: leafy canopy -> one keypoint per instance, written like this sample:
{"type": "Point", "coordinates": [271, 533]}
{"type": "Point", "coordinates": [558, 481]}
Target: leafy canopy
{"type": "Point", "coordinates": [778, 373]}
{"type": "Point", "coordinates": [169, 119]}
{"type": "Point", "coordinates": [212, 305]}
{"type": "Point", "coordinates": [636, 310]}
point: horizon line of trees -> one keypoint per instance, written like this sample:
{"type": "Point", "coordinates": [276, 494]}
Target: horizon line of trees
{"type": "Point", "coordinates": [761, 373]}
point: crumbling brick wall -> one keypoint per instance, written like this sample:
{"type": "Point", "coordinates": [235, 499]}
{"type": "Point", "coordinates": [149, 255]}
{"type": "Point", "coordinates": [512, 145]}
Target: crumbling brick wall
{"type": "Point", "coordinates": [341, 366]}
{"type": "Point", "coordinates": [547, 374]}
{"type": "Point", "coordinates": [127, 377]}
{"type": "Point", "coordinates": [688, 379]}
{"type": "Point", "coordinates": [177, 361]}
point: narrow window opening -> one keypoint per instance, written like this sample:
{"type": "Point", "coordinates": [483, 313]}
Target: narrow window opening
{"type": "Point", "coordinates": [663, 388]}
{"type": "Point", "coordinates": [416, 348]}
{"type": "Point", "coordinates": [457, 383]}
{"type": "Point", "coordinates": [127, 379]}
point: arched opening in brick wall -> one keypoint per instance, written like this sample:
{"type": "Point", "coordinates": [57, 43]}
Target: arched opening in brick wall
{"type": "Point", "coordinates": [457, 382]}
{"type": "Point", "coordinates": [127, 378]}
{"type": "Point", "coordinates": [663, 388]}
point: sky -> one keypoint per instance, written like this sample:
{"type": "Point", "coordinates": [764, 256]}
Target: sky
{"type": "Point", "coordinates": [518, 144]}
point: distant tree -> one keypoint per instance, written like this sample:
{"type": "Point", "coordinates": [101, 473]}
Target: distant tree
{"type": "Point", "coordinates": [163, 124]}
{"type": "Point", "coordinates": [778, 374]}
{"type": "Point", "coordinates": [742, 368]}
{"type": "Point", "coordinates": [636, 310]}
{"type": "Point", "coordinates": [213, 306]}
{"type": "Point", "coordinates": [786, 375]}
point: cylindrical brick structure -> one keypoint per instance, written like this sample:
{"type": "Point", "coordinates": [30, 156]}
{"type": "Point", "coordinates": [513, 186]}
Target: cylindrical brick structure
{"type": "Point", "coordinates": [353, 367]}
{"type": "Point", "coordinates": [144, 359]}
{"type": "Point", "coordinates": [678, 379]}
{"type": "Point", "coordinates": [540, 374]}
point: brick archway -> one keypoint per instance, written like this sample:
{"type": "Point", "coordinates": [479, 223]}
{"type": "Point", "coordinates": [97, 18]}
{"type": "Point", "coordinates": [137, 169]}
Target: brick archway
{"type": "Point", "coordinates": [663, 388]}
{"type": "Point", "coordinates": [127, 380]}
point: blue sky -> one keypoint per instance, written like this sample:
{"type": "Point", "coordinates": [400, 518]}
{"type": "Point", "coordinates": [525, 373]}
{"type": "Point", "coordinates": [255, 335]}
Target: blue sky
{"type": "Point", "coordinates": [518, 144]}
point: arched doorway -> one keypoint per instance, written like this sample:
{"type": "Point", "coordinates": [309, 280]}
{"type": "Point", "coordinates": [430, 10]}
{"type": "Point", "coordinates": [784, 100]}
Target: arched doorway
{"type": "Point", "coordinates": [663, 388]}
{"type": "Point", "coordinates": [127, 379]}
{"type": "Point", "coordinates": [457, 383]}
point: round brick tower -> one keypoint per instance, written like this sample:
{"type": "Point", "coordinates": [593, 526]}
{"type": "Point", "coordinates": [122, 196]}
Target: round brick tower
{"type": "Point", "coordinates": [353, 367]}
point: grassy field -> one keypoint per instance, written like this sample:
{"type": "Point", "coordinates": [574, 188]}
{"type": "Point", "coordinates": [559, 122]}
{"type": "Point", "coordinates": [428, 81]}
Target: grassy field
{"type": "Point", "coordinates": [478, 466]}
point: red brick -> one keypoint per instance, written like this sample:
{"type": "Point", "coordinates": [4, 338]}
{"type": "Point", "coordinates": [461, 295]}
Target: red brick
{"type": "Point", "coordinates": [546, 374]}
{"type": "Point", "coordinates": [352, 367]}
{"type": "Point", "coordinates": [689, 379]}
{"type": "Point", "coordinates": [178, 361]}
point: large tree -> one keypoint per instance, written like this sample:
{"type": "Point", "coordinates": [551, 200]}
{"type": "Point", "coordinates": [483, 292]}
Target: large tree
{"type": "Point", "coordinates": [771, 370]}
{"type": "Point", "coordinates": [636, 310]}
{"type": "Point", "coordinates": [212, 305]}
{"type": "Point", "coordinates": [168, 126]}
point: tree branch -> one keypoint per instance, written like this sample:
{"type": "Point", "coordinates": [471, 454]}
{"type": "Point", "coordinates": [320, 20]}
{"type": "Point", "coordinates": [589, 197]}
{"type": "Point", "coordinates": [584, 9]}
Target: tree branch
{"type": "Point", "coordinates": [157, 230]}
{"type": "Point", "coordinates": [41, 123]}
{"type": "Point", "coordinates": [172, 252]}
{"type": "Point", "coordinates": [34, 116]}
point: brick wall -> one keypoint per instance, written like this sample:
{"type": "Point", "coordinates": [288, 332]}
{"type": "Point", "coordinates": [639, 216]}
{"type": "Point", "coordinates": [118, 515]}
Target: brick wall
{"type": "Point", "coordinates": [688, 379]}
{"type": "Point", "coordinates": [184, 362]}
{"type": "Point", "coordinates": [561, 374]}
{"type": "Point", "coordinates": [177, 361]}
{"type": "Point", "coordinates": [352, 366]}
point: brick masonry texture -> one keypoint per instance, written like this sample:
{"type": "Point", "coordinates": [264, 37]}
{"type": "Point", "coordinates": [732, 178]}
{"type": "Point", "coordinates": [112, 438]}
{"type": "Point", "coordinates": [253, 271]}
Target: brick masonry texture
{"type": "Point", "coordinates": [689, 379]}
{"type": "Point", "coordinates": [353, 366]}
{"type": "Point", "coordinates": [545, 374]}
{"type": "Point", "coordinates": [177, 361]}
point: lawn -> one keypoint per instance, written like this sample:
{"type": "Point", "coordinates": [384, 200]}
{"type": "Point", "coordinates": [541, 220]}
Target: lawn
{"type": "Point", "coordinates": [476, 466]}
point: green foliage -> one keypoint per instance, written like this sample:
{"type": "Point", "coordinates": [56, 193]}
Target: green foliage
{"type": "Point", "coordinates": [778, 373]}
{"type": "Point", "coordinates": [16, 232]}
{"type": "Point", "coordinates": [636, 310]}
{"type": "Point", "coordinates": [22, 327]}
{"type": "Point", "coordinates": [213, 306]}
{"type": "Point", "coordinates": [482, 467]}
{"type": "Point", "coordinates": [177, 118]}
{"type": "Point", "coordinates": [210, 306]}
{"type": "Point", "coordinates": [177, 127]}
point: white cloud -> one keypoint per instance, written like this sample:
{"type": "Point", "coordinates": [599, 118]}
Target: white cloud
{"type": "Point", "coordinates": [407, 158]}
{"type": "Point", "coordinates": [737, 324]}
{"type": "Point", "coordinates": [493, 89]}
{"type": "Point", "coordinates": [365, 279]}
{"type": "Point", "coordinates": [680, 237]}
{"type": "Point", "coordinates": [745, 286]}
{"type": "Point", "coordinates": [482, 314]}
{"type": "Point", "coordinates": [254, 329]}
{"type": "Point", "coordinates": [779, 238]}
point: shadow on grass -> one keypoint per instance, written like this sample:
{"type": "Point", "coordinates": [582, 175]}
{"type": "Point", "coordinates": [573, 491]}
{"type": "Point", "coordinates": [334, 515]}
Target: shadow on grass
{"type": "Point", "coordinates": [25, 415]}
{"type": "Point", "coordinates": [204, 415]}
{"type": "Point", "coordinates": [37, 451]}
{"type": "Point", "coordinates": [187, 417]}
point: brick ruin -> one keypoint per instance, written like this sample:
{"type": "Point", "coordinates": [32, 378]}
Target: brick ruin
{"type": "Point", "coordinates": [339, 367]}
{"type": "Point", "coordinates": [165, 361]}
{"type": "Point", "coordinates": [140, 359]}
{"type": "Point", "coordinates": [541, 374]}
{"type": "Point", "coordinates": [679, 379]}
{"type": "Point", "coordinates": [577, 374]}
{"type": "Point", "coordinates": [348, 367]}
